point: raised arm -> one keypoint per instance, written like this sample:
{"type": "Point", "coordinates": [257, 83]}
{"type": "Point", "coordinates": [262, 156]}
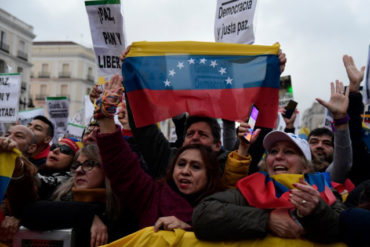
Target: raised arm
{"type": "Point", "coordinates": [120, 163]}
{"type": "Point", "coordinates": [360, 170]}
{"type": "Point", "coordinates": [338, 105]}
{"type": "Point", "coordinates": [238, 161]}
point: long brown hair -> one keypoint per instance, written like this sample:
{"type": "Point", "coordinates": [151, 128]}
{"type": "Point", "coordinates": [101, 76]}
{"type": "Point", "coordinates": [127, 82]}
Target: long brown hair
{"type": "Point", "coordinates": [209, 158]}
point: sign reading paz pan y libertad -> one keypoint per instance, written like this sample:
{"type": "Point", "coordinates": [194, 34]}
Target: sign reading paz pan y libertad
{"type": "Point", "coordinates": [10, 85]}
{"type": "Point", "coordinates": [106, 26]}
{"type": "Point", "coordinates": [234, 21]}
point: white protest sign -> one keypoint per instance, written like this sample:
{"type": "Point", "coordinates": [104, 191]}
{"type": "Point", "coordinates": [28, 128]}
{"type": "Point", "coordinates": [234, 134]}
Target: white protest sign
{"type": "Point", "coordinates": [75, 131]}
{"type": "Point", "coordinates": [89, 110]}
{"type": "Point", "coordinates": [367, 81]}
{"type": "Point", "coordinates": [25, 117]}
{"type": "Point", "coordinates": [106, 26]}
{"type": "Point", "coordinates": [328, 119]}
{"type": "Point", "coordinates": [58, 112]}
{"type": "Point", "coordinates": [10, 85]}
{"type": "Point", "coordinates": [234, 21]}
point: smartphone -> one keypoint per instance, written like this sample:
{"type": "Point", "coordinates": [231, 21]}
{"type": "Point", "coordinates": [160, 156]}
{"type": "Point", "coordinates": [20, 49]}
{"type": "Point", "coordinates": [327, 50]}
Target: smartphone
{"type": "Point", "coordinates": [253, 114]}
{"type": "Point", "coordinates": [290, 108]}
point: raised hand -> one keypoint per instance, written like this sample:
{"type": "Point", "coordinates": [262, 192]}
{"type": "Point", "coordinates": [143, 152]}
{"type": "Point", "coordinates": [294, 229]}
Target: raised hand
{"type": "Point", "coordinates": [282, 60]}
{"type": "Point", "coordinates": [95, 93]}
{"type": "Point", "coordinates": [338, 102]}
{"type": "Point", "coordinates": [289, 122]}
{"type": "Point", "coordinates": [355, 76]}
{"type": "Point", "coordinates": [107, 104]}
{"type": "Point", "coordinates": [124, 53]}
{"type": "Point", "coordinates": [244, 129]}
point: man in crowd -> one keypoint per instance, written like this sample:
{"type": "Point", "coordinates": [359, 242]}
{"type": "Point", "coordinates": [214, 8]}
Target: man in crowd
{"type": "Point", "coordinates": [44, 132]}
{"type": "Point", "coordinates": [24, 138]}
{"type": "Point", "coordinates": [22, 189]}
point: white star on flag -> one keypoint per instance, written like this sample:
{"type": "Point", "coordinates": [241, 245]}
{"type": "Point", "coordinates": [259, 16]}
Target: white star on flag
{"type": "Point", "coordinates": [222, 71]}
{"type": "Point", "coordinates": [213, 64]}
{"type": "Point", "coordinates": [228, 80]}
{"type": "Point", "coordinates": [191, 61]}
{"type": "Point", "coordinates": [203, 60]}
{"type": "Point", "coordinates": [167, 83]}
{"type": "Point", "coordinates": [180, 65]}
{"type": "Point", "coordinates": [172, 72]}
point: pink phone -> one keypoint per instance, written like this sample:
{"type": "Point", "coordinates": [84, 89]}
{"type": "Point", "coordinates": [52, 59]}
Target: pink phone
{"type": "Point", "coordinates": [252, 122]}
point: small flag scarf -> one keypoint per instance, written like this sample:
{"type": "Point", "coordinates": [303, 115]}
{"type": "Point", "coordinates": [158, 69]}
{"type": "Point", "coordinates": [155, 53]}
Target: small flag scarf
{"type": "Point", "coordinates": [270, 192]}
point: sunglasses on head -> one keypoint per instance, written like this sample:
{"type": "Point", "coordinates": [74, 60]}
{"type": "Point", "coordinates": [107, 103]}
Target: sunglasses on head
{"type": "Point", "coordinates": [63, 149]}
{"type": "Point", "coordinates": [86, 166]}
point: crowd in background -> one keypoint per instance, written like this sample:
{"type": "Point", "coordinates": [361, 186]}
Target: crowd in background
{"type": "Point", "coordinates": [120, 178]}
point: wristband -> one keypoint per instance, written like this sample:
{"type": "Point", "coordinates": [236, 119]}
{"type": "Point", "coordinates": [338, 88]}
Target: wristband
{"type": "Point", "coordinates": [341, 120]}
{"type": "Point", "coordinates": [106, 105]}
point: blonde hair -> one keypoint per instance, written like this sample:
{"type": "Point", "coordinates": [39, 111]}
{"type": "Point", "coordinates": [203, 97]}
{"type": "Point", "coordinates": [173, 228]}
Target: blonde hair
{"type": "Point", "coordinates": [113, 208]}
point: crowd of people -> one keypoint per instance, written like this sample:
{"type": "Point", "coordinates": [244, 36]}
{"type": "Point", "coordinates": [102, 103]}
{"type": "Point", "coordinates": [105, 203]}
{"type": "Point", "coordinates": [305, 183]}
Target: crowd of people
{"type": "Point", "coordinates": [119, 179]}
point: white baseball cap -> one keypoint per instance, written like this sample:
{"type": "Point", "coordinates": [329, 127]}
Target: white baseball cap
{"type": "Point", "coordinates": [278, 136]}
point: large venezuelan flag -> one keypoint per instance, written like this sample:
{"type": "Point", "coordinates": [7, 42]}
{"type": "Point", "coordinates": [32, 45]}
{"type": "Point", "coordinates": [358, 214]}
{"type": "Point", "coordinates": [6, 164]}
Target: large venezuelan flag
{"type": "Point", "coordinates": [221, 80]}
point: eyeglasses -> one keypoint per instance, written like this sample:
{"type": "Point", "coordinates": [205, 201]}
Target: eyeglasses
{"type": "Point", "coordinates": [63, 149]}
{"type": "Point", "coordinates": [86, 166]}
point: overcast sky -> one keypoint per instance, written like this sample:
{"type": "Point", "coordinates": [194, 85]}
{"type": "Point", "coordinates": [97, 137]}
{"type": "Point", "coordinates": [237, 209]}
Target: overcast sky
{"type": "Point", "coordinates": [314, 34]}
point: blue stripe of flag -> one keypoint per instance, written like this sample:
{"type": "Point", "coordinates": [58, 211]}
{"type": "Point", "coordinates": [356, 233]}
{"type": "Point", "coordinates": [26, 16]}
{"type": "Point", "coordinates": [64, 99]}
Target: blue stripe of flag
{"type": "Point", "coordinates": [4, 181]}
{"type": "Point", "coordinates": [199, 72]}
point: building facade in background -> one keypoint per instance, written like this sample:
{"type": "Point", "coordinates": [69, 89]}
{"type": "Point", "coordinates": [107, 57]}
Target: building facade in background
{"type": "Point", "coordinates": [15, 52]}
{"type": "Point", "coordinates": [62, 68]}
{"type": "Point", "coordinates": [314, 116]}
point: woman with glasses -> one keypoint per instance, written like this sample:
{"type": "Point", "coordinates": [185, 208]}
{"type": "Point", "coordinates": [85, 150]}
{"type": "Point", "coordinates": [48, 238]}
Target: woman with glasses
{"type": "Point", "coordinates": [57, 167]}
{"type": "Point", "coordinates": [84, 203]}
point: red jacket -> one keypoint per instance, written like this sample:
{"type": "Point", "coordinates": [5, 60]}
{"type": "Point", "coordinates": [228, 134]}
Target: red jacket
{"type": "Point", "coordinates": [146, 198]}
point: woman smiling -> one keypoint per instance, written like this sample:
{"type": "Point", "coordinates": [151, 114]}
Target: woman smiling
{"type": "Point", "coordinates": [287, 200]}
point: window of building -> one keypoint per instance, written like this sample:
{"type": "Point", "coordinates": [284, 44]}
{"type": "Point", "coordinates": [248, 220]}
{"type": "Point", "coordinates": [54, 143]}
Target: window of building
{"type": "Point", "coordinates": [3, 42]}
{"type": "Point", "coordinates": [45, 67]}
{"type": "Point", "coordinates": [22, 45]}
{"type": "Point", "coordinates": [22, 50]}
{"type": "Point", "coordinates": [43, 90]}
{"type": "Point", "coordinates": [44, 70]}
{"type": "Point", "coordinates": [63, 90]}
{"type": "Point", "coordinates": [3, 67]}
{"type": "Point", "coordinates": [65, 71]}
{"type": "Point", "coordinates": [65, 67]}
{"type": "Point", "coordinates": [3, 37]}
{"type": "Point", "coordinates": [90, 76]}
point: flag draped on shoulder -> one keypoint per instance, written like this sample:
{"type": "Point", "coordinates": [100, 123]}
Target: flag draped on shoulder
{"type": "Point", "coordinates": [269, 192]}
{"type": "Point", "coordinates": [7, 164]}
{"type": "Point", "coordinates": [220, 80]}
